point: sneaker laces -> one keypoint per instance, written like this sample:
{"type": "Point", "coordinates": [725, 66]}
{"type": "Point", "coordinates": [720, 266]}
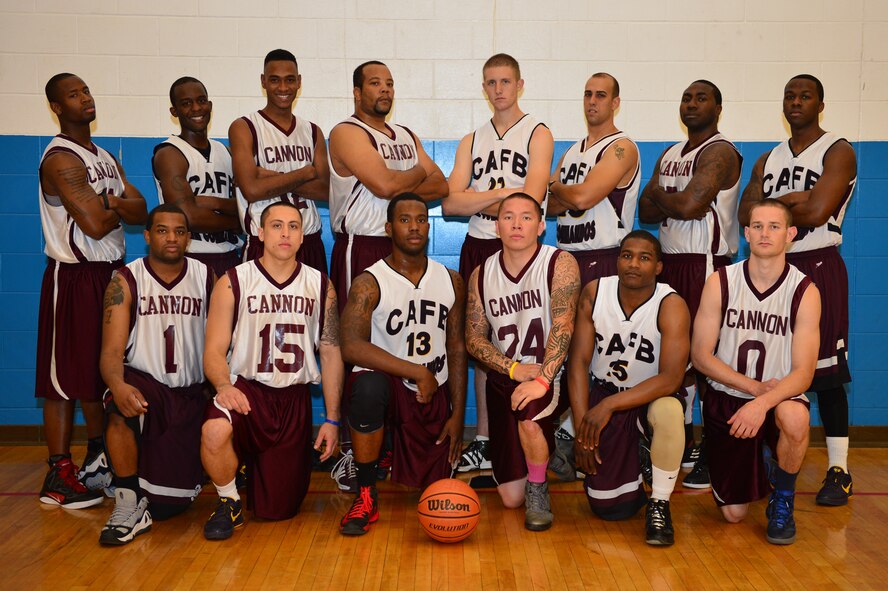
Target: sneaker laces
{"type": "Point", "coordinates": [362, 505]}
{"type": "Point", "coordinates": [67, 471]}
{"type": "Point", "coordinates": [344, 470]}
{"type": "Point", "coordinates": [781, 509]}
{"type": "Point", "coordinates": [657, 515]}
{"type": "Point", "coordinates": [834, 477]}
{"type": "Point", "coordinates": [472, 454]}
{"type": "Point", "coordinates": [386, 461]}
{"type": "Point", "coordinates": [121, 514]}
{"type": "Point", "coordinates": [536, 499]}
{"type": "Point", "coordinates": [224, 503]}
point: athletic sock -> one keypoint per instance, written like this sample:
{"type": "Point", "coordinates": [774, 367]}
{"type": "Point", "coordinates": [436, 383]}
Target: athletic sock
{"type": "Point", "coordinates": [837, 452]}
{"type": "Point", "coordinates": [482, 438]}
{"type": "Point", "coordinates": [228, 490]}
{"type": "Point", "coordinates": [129, 482]}
{"type": "Point", "coordinates": [784, 482]}
{"type": "Point", "coordinates": [536, 473]}
{"type": "Point", "coordinates": [689, 434]}
{"type": "Point", "coordinates": [366, 473]}
{"type": "Point", "coordinates": [663, 483]}
{"type": "Point", "coordinates": [55, 459]}
{"type": "Point", "coordinates": [95, 445]}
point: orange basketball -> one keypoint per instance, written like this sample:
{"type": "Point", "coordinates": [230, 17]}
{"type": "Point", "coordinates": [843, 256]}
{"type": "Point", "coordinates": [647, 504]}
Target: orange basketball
{"type": "Point", "coordinates": [449, 510]}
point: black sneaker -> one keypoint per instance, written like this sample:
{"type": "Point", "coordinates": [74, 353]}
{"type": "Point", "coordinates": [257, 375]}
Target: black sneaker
{"type": "Point", "coordinates": [698, 477]}
{"type": "Point", "coordinates": [61, 487]}
{"type": "Point", "coordinates": [476, 456]}
{"type": "Point", "coordinates": [658, 523]}
{"type": "Point", "coordinates": [96, 472]}
{"type": "Point", "coordinates": [363, 512]}
{"type": "Point", "coordinates": [770, 466]}
{"type": "Point", "coordinates": [781, 524]}
{"type": "Point", "coordinates": [644, 460]}
{"type": "Point", "coordinates": [837, 487]}
{"type": "Point", "coordinates": [240, 479]}
{"type": "Point", "coordinates": [129, 519]}
{"type": "Point", "coordinates": [227, 517]}
{"type": "Point", "coordinates": [691, 455]}
{"type": "Point", "coordinates": [384, 466]}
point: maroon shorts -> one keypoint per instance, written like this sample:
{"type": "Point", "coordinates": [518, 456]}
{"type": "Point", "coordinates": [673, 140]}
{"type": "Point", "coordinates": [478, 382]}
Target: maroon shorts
{"type": "Point", "coordinates": [69, 330]}
{"type": "Point", "coordinates": [736, 466]}
{"type": "Point", "coordinates": [219, 262]}
{"type": "Point", "coordinates": [168, 436]}
{"type": "Point", "coordinates": [506, 453]}
{"type": "Point", "coordinates": [474, 252]}
{"type": "Point", "coordinates": [311, 252]}
{"type": "Point", "coordinates": [826, 269]}
{"type": "Point", "coordinates": [417, 460]}
{"type": "Point", "coordinates": [595, 264]}
{"type": "Point", "coordinates": [687, 274]}
{"type": "Point", "coordinates": [274, 441]}
{"type": "Point", "coordinates": [352, 254]}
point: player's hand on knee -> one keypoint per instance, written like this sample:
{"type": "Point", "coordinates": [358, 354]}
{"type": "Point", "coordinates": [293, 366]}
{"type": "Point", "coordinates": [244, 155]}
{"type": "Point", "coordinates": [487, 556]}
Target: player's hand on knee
{"type": "Point", "coordinates": [524, 372]}
{"type": "Point", "coordinates": [748, 419]}
{"type": "Point", "coordinates": [453, 430]}
{"type": "Point", "coordinates": [129, 401]}
{"type": "Point", "coordinates": [327, 440]}
{"type": "Point", "coordinates": [527, 392]}
{"type": "Point", "coordinates": [426, 385]}
{"type": "Point", "coordinates": [230, 398]}
{"type": "Point", "coordinates": [593, 423]}
{"type": "Point", "coordinates": [585, 459]}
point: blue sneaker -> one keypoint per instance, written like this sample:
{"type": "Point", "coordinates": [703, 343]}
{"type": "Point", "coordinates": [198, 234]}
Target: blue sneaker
{"type": "Point", "coordinates": [781, 525]}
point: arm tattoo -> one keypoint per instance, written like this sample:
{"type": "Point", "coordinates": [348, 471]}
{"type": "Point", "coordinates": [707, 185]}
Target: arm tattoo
{"type": "Point", "coordinates": [564, 297]}
{"type": "Point", "coordinates": [330, 335]}
{"type": "Point", "coordinates": [75, 178]}
{"type": "Point", "coordinates": [619, 152]}
{"type": "Point", "coordinates": [477, 343]}
{"type": "Point", "coordinates": [113, 296]}
{"type": "Point", "coordinates": [361, 301]}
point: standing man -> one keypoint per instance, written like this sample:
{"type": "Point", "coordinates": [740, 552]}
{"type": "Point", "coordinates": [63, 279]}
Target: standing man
{"type": "Point", "coordinates": [268, 317]}
{"type": "Point", "coordinates": [280, 157]}
{"type": "Point", "coordinates": [84, 197]}
{"type": "Point", "coordinates": [509, 154]}
{"type": "Point", "coordinates": [519, 321]}
{"type": "Point", "coordinates": [693, 194]}
{"type": "Point", "coordinates": [194, 173]}
{"type": "Point", "coordinates": [814, 173]}
{"type": "Point", "coordinates": [155, 318]}
{"type": "Point", "coordinates": [756, 337]}
{"type": "Point", "coordinates": [403, 332]}
{"type": "Point", "coordinates": [628, 357]}
{"type": "Point", "coordinates": [371, 162]}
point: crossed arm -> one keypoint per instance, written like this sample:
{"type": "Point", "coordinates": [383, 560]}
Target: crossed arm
{"type": "Point", "coordinates": [618, 162]}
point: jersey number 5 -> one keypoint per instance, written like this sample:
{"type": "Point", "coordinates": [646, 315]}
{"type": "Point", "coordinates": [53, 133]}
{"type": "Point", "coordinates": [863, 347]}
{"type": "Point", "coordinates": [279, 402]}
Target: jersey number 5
{"type": "Point", "coordinates": [267, 364]}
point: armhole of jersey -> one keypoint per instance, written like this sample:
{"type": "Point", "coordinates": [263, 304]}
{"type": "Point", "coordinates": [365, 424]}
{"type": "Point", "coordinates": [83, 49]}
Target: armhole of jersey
{"type": "Point", "coordinates": [365, 130]}
{"type": "Point", "coordinates": [800, 290]}
{"type": "Point", "coordinates": [410, 131]}
{"type": "Point", "coordinates": [595, 300]}
{"type": "Point", "coordinates": [550, 271]}
{"type": "Point", "coordinates": [533, 131]}
{"type": "Point", "coordinates": [471, 148]}
{"type": "Point", "coordinates": [481, 284]}
{"type": "Point", "coordinates": [378, 288]}
{"type": "Point", "coordinates": [235, 290]}
{"type": "Point", "coordinates": [723, 283]}
{"type": "Point", "coordinates": [127, 276]}
{"type": "Point", "coordinates": [831, 146]}
{"type": "Point", "coordinates": [660, 308]}
{"type": "Point", "coordinates": [709, 145]}
{"type": "Point", "coordinates": [209, 288]}
{"type": "Point", "coordinates": [157, 149]}
{"type": "Point", "coordinates": [452, 287]}
{"type": "Point", "coordinates": [255, 135]}
{"type": "Point", "coordinates": [322, 315]}
{"type": "Point", "coordinates": [51, 152]}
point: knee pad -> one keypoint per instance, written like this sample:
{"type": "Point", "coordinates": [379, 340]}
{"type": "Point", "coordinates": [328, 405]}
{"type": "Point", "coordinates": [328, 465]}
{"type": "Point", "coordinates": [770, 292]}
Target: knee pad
{"type": "Point", "coordinates": [833, 406]}
{"type": "Point", "coordinates": [369, 401]}
{"type": "Point", "coordinates": [162, 511]}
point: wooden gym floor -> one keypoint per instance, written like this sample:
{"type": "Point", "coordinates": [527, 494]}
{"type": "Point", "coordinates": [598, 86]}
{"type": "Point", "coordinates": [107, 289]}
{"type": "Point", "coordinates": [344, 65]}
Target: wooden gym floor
{"type": "Point", "coordinates": [44, 547]}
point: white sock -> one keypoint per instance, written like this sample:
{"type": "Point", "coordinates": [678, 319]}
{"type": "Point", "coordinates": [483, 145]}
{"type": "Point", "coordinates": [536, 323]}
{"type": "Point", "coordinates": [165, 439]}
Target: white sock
{"type": "Point", "coordinates": [663, 483]}
{"type": "Point", "coordinates": [228, 490]}
{"type": "Point", "coordinates": [837, 451]}
{"type": "Point", "coordinates": [568, 425]}
{"type": "Point", "coordinates": [481, 438]}
{"type": "Point", "coordinates": [690, 395]}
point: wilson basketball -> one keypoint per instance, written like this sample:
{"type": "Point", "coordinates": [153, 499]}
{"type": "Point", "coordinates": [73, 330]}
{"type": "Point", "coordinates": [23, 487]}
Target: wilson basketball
{"type": "Point", "coordinates": [449, 510]}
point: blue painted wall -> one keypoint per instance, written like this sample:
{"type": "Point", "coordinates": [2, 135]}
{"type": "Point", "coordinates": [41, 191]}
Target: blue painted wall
{"type": "Point", "coordinates": [22, 261]}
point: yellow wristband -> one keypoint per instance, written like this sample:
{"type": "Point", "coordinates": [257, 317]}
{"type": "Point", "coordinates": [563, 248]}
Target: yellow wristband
{"type": "Point", "coordinates": [512, 371]}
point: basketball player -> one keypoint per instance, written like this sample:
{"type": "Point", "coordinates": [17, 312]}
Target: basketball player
{"type": "Point", "coordinates": [519, 320]}
{"type": "Point", "coordinates": [194, 173]}
{"type": "Point", "coordinates": [267, 319]}
{"type": "Point", "coordinates": [631, 341]}
{"type": "Point", "coordinates": [155, 318]}
{"type": "Point", "coordinates": [756, 337]}
{"type": "Point", "coordinates": [84, 197]}
{"type": "Point", "coordinates": [693, 194]}
{"type": "Point", "coordinates": [371, 162]}
{"type": "Point", "coordinates": [510, 153]}
{"type": "Point", "coordinates": [280, 157]}
{"type": "Point", "coordinates": [814, 173]}
{"type": "Point", "coordinates": [403, 332]}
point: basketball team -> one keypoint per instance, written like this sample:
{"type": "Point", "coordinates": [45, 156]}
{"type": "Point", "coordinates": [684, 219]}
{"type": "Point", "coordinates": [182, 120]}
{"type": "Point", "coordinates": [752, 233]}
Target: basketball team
{"type": "Point", "coordinates": [194, 362]}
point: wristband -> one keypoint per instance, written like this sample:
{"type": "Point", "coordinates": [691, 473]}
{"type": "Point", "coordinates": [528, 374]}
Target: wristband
{"type": "Point", "coordinates": [542, 381]}
{"type": "Point", "coordinates": [332, 422]}
{"type": "Point", "coordinates": [105, 203]}
{"type": "Point", "coordinates": [512, 371]}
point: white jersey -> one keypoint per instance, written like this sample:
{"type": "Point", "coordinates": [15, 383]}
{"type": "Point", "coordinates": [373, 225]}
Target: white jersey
{"type": "Point", "coordinates": [519, 308]}
{"type": "Point", "coordinates": [281, 150]}
{"type": "Point", "coordinates": [605, 224]}
{"type": "Point", "coordinates": [168, 322]}
{"type": "Point", "coordinates": [718, 232]}
{"type": "Point", "coordinates": [757, 328]}
{"type": "Point", "coordinates": [354, 209]}
{"type": "Point", "coordinates": [627, 348]}
{"type": "Point", "coordinates": [410, 321]}
{"type": "Point", "coordinates": [497, 162]}
{"type": "Point", "coordinates": [209, 175]}
{"type": "Point", "coordinates": [65, 241]}
{"type": "Point", "coordinates": [785, 172]}
{"type": "Point", "coordinates": [277, 326]}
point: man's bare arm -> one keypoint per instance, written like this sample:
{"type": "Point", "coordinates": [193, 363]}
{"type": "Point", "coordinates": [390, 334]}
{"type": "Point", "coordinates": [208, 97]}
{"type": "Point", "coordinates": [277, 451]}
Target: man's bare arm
{"type": "Point", "coordinates": [565, 292]}
{"type": "Point", "coordinates": [457, 367]}
{"type": "Point", "coordinates": [218, 339]}
{"type": "Point", "coordinates": [462, 200]}
{"type": "Point", "coordinates": [332, 367]}
{"type": "Point", "coordinates": [65, 175]}
{"type": "Point", "coordinates": [318, 189]}
{"type": "Point", "coordinates": [130, 206]}
{"type": "Point", "coordinates": [813, 208]}
{"type": "Point", "coordinates": [582, 349]}
{"type": "Point", "coordinates": [434, 186]}
{"type": "Point", "coordinates": [477, 328]}
{"type": "Point", "coordinates": [753, 192]}
{"type": "Point", "coordinates": [617, 165]}
{"type": "Point", "coordinates": [648, 210]}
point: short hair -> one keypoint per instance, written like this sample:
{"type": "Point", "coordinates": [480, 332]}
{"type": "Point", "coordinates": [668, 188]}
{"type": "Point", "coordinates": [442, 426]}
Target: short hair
{"type": "Point", "coordinates": [180, 82]}
{"type": "Point", "coordinates": [503, 59]}
{"type": "Point", "coordinates": [358, 74]}
{"type": "Point", "coordinates": [644, 235]}
{"type": "Point", "coordinates": [390, 210]}
{"type": "Point", "coordinates": [776, 203]}
{"type": "Point", "coordinates": [715, 90]}
{"type": "Point", "coordinates": [280, 55]}
{"type": "Point", "coordinates": [520, 195]}
{"type": "Point", "coordinates": [612, 79]}
{"type": "Point", "coordinates": [51, 89]}
{"type": "Point", "coordinates": [264, 215]}
{"type": "Point", "coordinates": [813, 79]}
{"type": "Point", "coordinates": [166, 208]}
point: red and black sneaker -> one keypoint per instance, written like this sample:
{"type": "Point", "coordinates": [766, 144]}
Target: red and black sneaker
{"type": "Point", "coordinates": [363, 512]}
{"type": "Point", "coordinates": [61, 487]}
{"type": "Point", "coordinates": [384, 466]}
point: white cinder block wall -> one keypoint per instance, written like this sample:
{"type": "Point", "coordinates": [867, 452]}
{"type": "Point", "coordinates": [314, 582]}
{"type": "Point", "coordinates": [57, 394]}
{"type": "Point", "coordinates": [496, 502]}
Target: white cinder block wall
{"type": "Point", "coordinates": [130, 51]}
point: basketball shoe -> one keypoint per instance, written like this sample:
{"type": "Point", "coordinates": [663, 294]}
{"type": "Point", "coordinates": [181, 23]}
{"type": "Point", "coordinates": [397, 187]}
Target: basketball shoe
{"type": "Point", "coordinates": [563, 460]}
{"type": "Point", "coordinates": [837, 487]}
{"type": "Point", "coordinates": [129, 519]}
{"type": "Point", "coordinates": [781, 524]}
{"type": "Point", "coordinates": [61, 487]}
{"type": "Point", "coordinates": [227, 517]}
{"type": "Point", "coordinates": [658, 523]}
{"type": "Point", "coordinates": [644, 460]}
{"type": "Point", "coordinates": [537, 509]}
{"type": "Point", "coordinates": [345, 474]}
{"type": "Point", "coordinates": [363, 512]}
{"type": "Point", "coordinates": [476, 456]}
{"type": "Point", "coordinates": [96, 473]}
{"type": "Point", "coordinates": [698, 477]}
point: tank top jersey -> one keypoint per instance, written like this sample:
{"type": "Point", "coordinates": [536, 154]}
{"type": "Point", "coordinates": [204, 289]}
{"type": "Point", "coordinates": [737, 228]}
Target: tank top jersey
{"type": "Point", "coordinates": [756, 329]}
{"type": "Point", "coordinates": [281, 150]}
{"type": "Point", "coordinates": [354, 209]}
{"type": "Point", "coordinates": [519, 308]}
{"type": "Point", "coordinates": [65, 241]}
{"type": "Point", "coordinates": [497, 162]}
{"type": "Point", "coordinates": [410, 321]}
{"type": "Point", "coordinates": [277, 326]}
{"type": "Point", "coordinates": [208, 176]}
{"type": "Point", "coordinates": [168, 322]}
{"type": "Point", "coordinates": [605, 224]}
{"type": "Point", "coordinates": [718, 232]}
{"type": "Point", "coordinates": [784, 172]}
{"type": "Point", "coordinates": [627, 348]}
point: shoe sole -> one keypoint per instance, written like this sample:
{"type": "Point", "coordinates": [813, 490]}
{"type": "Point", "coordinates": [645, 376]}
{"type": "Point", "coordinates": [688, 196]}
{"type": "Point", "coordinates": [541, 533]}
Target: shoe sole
{"type": "Point", "coordinates": [696, 486]}
{"type": "Point", "coordinates": [656, 542]}
{"type": "Point", "coordinates": [215, 536]}
{"type": "Point", "coordinates": [125, 539]}
{"type": "Point", "coordinates": [484, 466]}
{"type": "Point", "coordinates": [77, 505]}
{"type": "Point", "coordinates": [687, 464]}
{"type": "Point", "coordinates": [350, 530]}
{"type": "Point", "coordinates": [537, 527]}
{"type": "Point", "coordinates": [781, 541]}
{"type": "Point", "coordinates": [832, 502]}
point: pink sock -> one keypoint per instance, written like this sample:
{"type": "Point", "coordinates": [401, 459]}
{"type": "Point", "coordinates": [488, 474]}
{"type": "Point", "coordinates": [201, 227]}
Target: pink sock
{"type": "Point", "coordinates": [536, 472]}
